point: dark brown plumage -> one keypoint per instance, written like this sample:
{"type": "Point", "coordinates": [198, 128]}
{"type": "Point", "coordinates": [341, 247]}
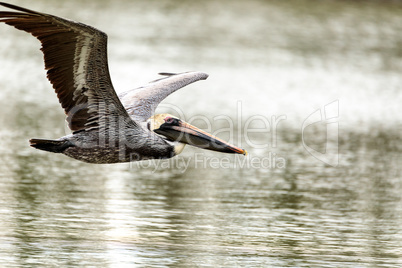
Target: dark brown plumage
{"type": "Point", "coordinates": [104, 131]}
{"type": "Point", "coordinates": [80, 84]}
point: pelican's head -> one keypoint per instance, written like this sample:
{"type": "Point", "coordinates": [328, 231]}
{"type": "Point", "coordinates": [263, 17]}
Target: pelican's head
{"type": "Point", "coordinates": [176, 130]}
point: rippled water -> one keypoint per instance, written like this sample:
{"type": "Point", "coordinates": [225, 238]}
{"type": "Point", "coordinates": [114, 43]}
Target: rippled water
{"type": "Point", "coordinates": [312, 89]}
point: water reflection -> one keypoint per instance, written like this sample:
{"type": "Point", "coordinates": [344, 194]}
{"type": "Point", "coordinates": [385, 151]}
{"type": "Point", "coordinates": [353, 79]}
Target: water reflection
{"type": "Point", "coordinates": [279, 58]}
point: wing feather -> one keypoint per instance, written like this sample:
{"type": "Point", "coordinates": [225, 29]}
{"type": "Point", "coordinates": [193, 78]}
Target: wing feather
{"type": "Point", "coordinates": [75, 58]}
{"type": "Point", "coordinates": [141, 103]}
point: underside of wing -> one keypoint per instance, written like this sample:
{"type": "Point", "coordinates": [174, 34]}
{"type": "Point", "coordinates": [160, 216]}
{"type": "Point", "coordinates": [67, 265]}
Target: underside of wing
{"type": "Point", "coordinates": [141, 103]}
{"type": "Point", "coordinates": [75, 58]}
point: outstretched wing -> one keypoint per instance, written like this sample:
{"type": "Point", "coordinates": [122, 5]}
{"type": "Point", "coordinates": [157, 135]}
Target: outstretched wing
{"type": "Point", "coordinates": [75, 58]}
{"type": "Point", "coordinates": [141, 103]}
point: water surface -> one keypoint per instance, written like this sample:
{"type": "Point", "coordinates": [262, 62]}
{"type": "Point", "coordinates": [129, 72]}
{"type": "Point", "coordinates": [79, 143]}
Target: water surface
{"type": "Point", "coordinates": [274, 68]}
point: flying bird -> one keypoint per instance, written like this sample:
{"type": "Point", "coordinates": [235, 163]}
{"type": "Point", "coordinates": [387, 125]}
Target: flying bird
{"type": "Point", "coordinates": [106, 127]}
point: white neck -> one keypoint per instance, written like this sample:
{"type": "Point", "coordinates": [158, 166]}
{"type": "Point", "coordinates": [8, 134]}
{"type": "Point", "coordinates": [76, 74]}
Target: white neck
{"type": "Point", "coordinates": [178, 146]}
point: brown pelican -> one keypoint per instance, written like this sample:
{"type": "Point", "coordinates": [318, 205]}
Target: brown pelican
{"type": "Point", "coordinates": [106, 127]}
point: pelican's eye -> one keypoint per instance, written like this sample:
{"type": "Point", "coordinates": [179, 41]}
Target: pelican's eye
{"type": "Point", "coordinates": [169, 120]}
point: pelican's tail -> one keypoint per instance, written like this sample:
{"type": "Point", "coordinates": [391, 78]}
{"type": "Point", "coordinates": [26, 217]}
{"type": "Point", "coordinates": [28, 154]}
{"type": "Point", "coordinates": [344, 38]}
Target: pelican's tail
{"type": "Point", "coordinates": [54, 146]}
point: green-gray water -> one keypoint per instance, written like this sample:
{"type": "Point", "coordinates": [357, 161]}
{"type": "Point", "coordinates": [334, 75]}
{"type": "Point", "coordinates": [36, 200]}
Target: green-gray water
{"type": "Point", "coordinates": [275, 67]}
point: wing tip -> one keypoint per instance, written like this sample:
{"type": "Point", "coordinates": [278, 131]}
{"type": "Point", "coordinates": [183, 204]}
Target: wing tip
{"type": "Point", "coordinates": [203, 76]}
{"type": "Point", "coordinates": [11, 6]}
{"type": "Point", "coordinates": [200, 75]}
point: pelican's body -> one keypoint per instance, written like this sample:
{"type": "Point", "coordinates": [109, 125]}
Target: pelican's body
{"type": "Point", "coordinates": [106, 127]}
{"type": "Point", "coordinates": [89, 147]}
